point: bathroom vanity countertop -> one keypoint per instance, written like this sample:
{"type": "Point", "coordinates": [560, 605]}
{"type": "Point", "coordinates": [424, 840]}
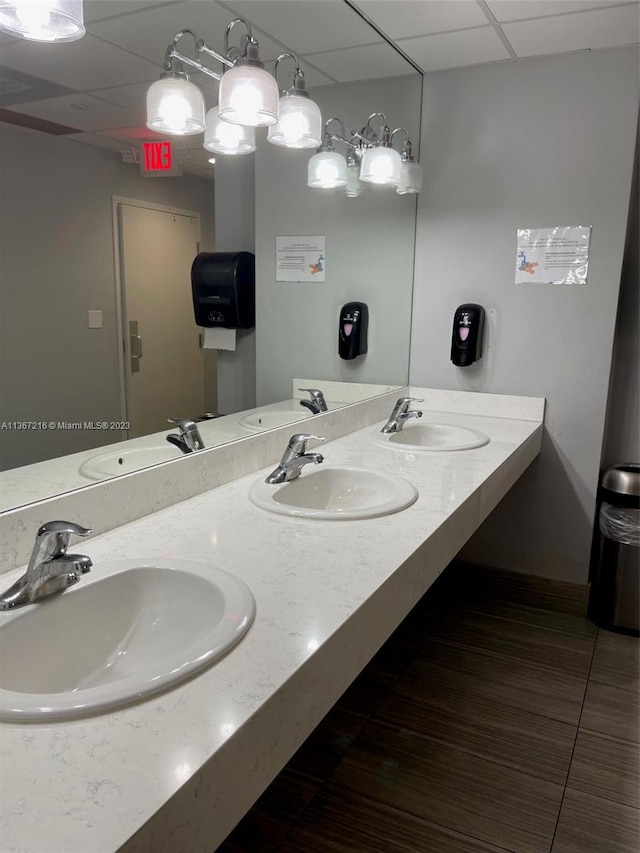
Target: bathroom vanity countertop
{"type": "Point", "coordinates": [20, 486]}
{"type": "Point", "coordinates": [177, 771]}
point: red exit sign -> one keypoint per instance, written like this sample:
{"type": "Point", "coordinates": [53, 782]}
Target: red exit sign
{"type": "Point", "coordinates": [157, 160]}
{"type": "Point", "coordinates": [158, 156]}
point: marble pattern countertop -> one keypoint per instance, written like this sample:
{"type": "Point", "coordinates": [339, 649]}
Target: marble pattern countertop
{"type": "Point", "coordinates": [177, 771]}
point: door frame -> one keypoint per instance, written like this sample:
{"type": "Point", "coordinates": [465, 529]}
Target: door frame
{"type": "Point", "coordinates": [118, 263]}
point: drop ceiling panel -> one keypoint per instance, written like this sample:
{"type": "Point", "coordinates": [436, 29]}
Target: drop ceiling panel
{"type": "Point", "coordinates": [98, 114]}
{"type": "Point", "coordinates": [96, 10]}
{"type": "Point", "coordinates": [604, 28]}
{"type": "Point", "coordinates": [455, 50]}
{"type": "Point", "coordinates": [134, 135]}
{"type": "Point", "coordinates": [516, 10]}
{"type": "Point", "coordinates": [363, 63]}
{"type": "Point", "coordinates": [149, 32]}
{"type": "Point", "coordinates": [402, 18]}
{"type": "Point", "coordinates": [308, 26]}
{"type": "Point", "coordinates": [97, 140]}
{"type": "Point", "coordinates": [84, 65]}
{"type": "Point", "coordinates": [17, 87]}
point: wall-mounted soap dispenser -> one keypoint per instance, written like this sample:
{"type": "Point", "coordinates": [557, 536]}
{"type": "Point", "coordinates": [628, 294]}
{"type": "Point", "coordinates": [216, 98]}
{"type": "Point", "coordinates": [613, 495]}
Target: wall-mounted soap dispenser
{"type": "Point", "coordinates": [223, 288]}
{"type": "Point", "coordinates": [352, 330]}
{"type": "Point", "coordinates": [468, 330]}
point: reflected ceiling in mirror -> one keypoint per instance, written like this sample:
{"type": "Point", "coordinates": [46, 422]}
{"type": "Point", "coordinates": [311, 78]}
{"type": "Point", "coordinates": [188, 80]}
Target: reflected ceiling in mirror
{"type": "Point", "coordinates": [72, 118]}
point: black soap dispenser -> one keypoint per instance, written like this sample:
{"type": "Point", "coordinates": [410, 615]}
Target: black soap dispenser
{"type": "Point", "coordinates": [468, 329]}
{"type": "Point", "coordinates": [352, 330]}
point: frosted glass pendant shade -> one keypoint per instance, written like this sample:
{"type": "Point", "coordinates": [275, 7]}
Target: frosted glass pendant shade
{"type": "Point", "coordinates": [354, 187]}
{"type": "Point", "coordinates": [381, 165]}
{"type": "Point", "coordinates": [248, 95]}
{"type": "Point", "coordinates": [327, 170]}
{"type": "Point", "coordinates": [43, 20]}
{"type": "Point", "coordinates": [299, 123]}
{"type": "Point", "coordinates": [175, 106]}
{"type": "Point", "coordinates": [226, 138]}
{"type": "Point", "coordinates": [410, 178]}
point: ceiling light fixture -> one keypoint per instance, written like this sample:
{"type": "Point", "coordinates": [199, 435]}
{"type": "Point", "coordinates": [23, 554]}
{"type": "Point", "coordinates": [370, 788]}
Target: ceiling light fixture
{"type": "Point", "coordinates": [43, 20]}
{"type": "Point", "coordinates": [299, 122]}
{"type": "Point", "coordinates": [248, 94]}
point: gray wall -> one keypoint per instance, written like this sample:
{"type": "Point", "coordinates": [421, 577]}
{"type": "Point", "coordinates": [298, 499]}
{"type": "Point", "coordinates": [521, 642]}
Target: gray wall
{"type": "Point", "coordinates": [369, 254]}
{"type": "Point", "coordinates": [56, 262]}
{"type": "Point", "coordinates": [533, 143]}
{"type": "Point", "coordinates": [235, 232]}
{"type": "Point", "coordinates": [622, 430]}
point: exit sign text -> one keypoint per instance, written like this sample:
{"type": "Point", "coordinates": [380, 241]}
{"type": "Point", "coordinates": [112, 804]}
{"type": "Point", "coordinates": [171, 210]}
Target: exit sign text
{"type": "Point", "coordinates": [158, 156]}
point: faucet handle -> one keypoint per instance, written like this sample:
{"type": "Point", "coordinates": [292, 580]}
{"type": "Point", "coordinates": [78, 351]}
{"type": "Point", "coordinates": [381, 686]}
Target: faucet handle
{"type": "Point", "coordinates": [407, 400]}
{"type": "Point", "coordinates": [183, 424]}
{"type": "Point", "coordinates": [53, 537]}
{"type": "Point", "coordinates": [315, 392]}
{"type": "Point", "coordinates": [298, 442]}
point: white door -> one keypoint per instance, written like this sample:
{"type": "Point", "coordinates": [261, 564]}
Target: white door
{"type": "Point", "coordinates": [164, 369]}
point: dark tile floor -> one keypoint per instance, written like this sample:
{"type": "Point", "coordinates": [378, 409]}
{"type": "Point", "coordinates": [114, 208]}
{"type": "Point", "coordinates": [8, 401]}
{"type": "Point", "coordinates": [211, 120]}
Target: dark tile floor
{"type": "Point", "coordinates": [496, 718]}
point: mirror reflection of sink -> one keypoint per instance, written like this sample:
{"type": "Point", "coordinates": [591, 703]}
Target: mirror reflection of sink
{"type": "Point", "coordinates": [273, 418]}
{"type": "Point", "coordinates": [109, 641]}
{"type": "Point", "coordinates": [336, 494]}
{"type": "Point", "coordinates": [114, 462]}
{"type": "Point", "coordinates": [417, 435]}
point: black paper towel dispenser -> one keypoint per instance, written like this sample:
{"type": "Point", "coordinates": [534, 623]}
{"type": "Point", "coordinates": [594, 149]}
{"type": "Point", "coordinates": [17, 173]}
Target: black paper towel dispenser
{"type": "Point", "coordinates": [224, 291]}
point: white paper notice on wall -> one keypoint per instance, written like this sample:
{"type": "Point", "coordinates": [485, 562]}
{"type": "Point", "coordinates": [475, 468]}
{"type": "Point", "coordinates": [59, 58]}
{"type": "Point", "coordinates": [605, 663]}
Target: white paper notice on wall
{"type": "Point", "coordinates": [300, 258]}
{"type": "Point", "coordinates": [553, 255]}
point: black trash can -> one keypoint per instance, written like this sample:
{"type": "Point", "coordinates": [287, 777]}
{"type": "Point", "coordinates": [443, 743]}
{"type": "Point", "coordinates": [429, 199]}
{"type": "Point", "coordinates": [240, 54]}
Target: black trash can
{"type": "Point", "coordinates": [614, 599]}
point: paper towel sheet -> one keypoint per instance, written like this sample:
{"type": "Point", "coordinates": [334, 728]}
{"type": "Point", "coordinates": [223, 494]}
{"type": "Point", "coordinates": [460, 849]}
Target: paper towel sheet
{"type": "Point", "coordinates": [219, 338]}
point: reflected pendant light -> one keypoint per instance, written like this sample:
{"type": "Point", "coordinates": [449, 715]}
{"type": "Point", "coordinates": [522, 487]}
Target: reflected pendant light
{"type": "Point", "coordinates": [226, 138]}
{"type": "Point", "coordinates": [299, 122]}
{"type": "Point", "coordinates": [248, 93]}
{"type": "Point", "coordinates": [354, 186]}
{"type": "Point", "coordinates": [43, 20]}
{"type": "Point", "coordinates": [410, 178]}
{"type": "Point", "coordinates": [327, 169]}
{"type": "Point", "coordinates": [381, 165]}
{"type": "Point", "coordinates": [175, 106]}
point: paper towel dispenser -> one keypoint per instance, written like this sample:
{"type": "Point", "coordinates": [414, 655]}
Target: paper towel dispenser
{"type": "Point", "coordinates": [224, 292]}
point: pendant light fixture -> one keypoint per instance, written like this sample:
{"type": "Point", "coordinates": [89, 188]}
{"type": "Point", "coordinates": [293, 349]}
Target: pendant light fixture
{"type": "Point", "coordinates": [380, 163]}
{"type": "Point", "coordinates": [248, 93]}
{"type": "Point", "coordinates": [175, 105]}
{"type": "Point", "coordinates": [411, 175]}
{"type": "Point", "coordinates": [226, 138]}
{"type": "Point", "coordinates": [327, 168]}
{"type": "Point", "coordinates": [43, 20]}
{"type": "Point", "coordinates": [299, 122]}
{"type": "Point", "coordinates": [354, 187]}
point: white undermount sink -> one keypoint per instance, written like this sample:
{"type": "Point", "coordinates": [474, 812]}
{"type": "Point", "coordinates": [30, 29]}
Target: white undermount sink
{"type": "Point", "coordinates": [114, 462]}
{"type": "Point", "coordinates": [417, 435]}
{"type": "Point", "coordinates": [335, 494]}
{"type": "Point", "coordinates": [110, 640]}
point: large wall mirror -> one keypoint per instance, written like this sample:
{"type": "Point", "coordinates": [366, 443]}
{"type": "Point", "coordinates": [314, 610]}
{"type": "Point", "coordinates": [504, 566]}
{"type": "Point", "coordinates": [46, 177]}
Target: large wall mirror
{"type": "Point", "coordinates": [95, 257]}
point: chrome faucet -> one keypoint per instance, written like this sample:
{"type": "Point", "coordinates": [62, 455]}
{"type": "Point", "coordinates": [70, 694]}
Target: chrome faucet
{"type": "Point", "coordinates": [294, 459]}
{"type": "Point", "coordinates": [189, 440]}
{"type": "Point", "coordinates": [402, 413]}
{"type": "Point", "coordinates": [50, 568]}
{"type": "Point", "coordinates": [317, 403]}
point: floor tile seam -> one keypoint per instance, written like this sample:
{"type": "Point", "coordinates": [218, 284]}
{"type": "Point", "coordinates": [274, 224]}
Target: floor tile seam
{"type": "Point", "coordinates": [505, 703]}
{"type": "Point", "coordinates": [573, 749]}
{"type": "Point", "coordinates": [586, 729]}
{"type": "Point", "coordinates": [542, 666]}
{"type": "Point", "coordinates": [377, 801]}
{"type": "Point", "coordinates": [494, 762]}
{"type": "Point", "coordinates": [513, 619]}
{"type": "Point", "coordinates": [571, 786]}
{"type": "Point", "coordinates": [630, 690]}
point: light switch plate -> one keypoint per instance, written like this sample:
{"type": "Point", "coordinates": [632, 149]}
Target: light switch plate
{"type": "Point", "coordinates": [95, 319]}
